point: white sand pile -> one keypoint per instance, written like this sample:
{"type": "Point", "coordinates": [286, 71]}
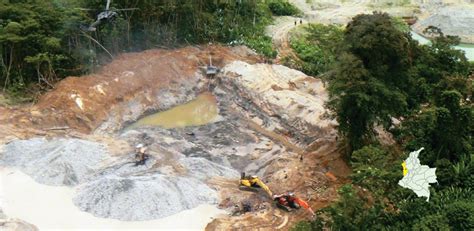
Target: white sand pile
{"type": "Point", "coordinates": [54, 162]}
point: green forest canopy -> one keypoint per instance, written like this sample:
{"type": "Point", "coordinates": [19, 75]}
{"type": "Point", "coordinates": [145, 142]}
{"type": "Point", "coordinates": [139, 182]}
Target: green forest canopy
{"type": "Point", "coordinates": [382, 75]}
{"type": "Point", "coordinates": [41, 40]}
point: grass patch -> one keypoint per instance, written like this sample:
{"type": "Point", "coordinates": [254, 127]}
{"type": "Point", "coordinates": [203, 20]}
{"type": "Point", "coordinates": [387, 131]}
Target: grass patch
{"type": "Point", "coordinates": [262, 45]}
{"type": "Point", "coordinates": [316, 47]}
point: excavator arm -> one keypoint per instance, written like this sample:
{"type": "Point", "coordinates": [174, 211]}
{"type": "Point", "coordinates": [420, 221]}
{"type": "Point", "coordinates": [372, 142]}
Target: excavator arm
{"type": "Point", "coordinates": [254, 181]}
{"type": "Point", "coordinates": [305, 205]}
{"type": "Point", "coordinates": [264, 186]}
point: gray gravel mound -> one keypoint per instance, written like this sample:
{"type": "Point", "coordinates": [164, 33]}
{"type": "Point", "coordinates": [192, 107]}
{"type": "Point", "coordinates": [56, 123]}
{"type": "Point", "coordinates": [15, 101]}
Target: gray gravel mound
{"type": "Point", "coordinates": [126, 167]}
{"type": "Point", "coordinates": [204, 169]}
{"type": "Point", "coordinates": [142, 197]}
{"type": "Point", "coordinates": [453, 20]}
{"type": "Point", "coordinates": [54, 162]}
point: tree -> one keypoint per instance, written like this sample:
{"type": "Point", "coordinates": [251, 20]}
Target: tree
{"type": "Point", "coordinates": [352, 211]}
{"type": "Point", "coordinates": [34, 40]}
{"type": "Point", "coordinates": [383, 49]}
{"type": "Point", "coordinates": [444, 129]}
{"type": "Point", "coordinates": [432, 222]}
{"type": "Point", "coordinates": [282, 7]}
{"type": "Point", "coordinates": [374, 170]}
{"type": "Point", "coordinates": [41, 41]}
{"type": "Point", "coordinates": [371, 77]}
{"type": "Point", "coordinates": [10, 36]}
{"type": "Point", "coordinates": [461, 215]}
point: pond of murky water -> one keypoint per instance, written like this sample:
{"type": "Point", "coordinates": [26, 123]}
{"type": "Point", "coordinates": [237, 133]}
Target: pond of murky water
{"type": "Point", "coordinates": [200, 111]}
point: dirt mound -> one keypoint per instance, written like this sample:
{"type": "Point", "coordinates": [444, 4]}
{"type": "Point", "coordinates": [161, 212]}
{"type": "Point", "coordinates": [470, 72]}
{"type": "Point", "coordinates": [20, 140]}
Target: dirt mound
{"type": "Point", "coordinates": [54, 162]}
{"type": "Point", "coordinates": [130, 85]}
{"type": "Point", "coordinates": [286, 106]}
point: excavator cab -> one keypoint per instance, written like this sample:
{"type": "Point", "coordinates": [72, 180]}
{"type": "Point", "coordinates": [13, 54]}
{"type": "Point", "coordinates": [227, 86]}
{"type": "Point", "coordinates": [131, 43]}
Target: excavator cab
{"type": "Point", "coordinates": [210, 69]}
{"type": "Point", "coordinates": [289, 202]}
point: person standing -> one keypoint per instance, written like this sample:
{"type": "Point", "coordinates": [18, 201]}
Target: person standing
{"type": "Point", "coordinates": [140, 154]}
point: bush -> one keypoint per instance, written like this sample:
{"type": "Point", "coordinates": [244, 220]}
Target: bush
{"type": "Point", "coordinates": [317, 49]}
{"type": "Point", "coordinates": [307, 226]}
{"type": "Point", "coordinates": [314, 60]}
{"type": "Point", "coordinates": [281, 7]}
{"type": "Point", "coordinates": [262, 45]}
{"type": "Point", "coordinates": [461, 215]}
{"type": "Point", "coordinates": [432, 222]}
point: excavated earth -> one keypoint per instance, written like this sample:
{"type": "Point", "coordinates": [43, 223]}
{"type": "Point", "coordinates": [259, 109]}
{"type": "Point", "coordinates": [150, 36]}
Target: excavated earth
{"type": "Point", "coordinates": [271, 122]}
{"type": "Point", "coordinates": [454, 17]}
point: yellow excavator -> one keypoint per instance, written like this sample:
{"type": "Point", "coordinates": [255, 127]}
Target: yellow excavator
{"type": "Point", "coordinates": [252, 182]}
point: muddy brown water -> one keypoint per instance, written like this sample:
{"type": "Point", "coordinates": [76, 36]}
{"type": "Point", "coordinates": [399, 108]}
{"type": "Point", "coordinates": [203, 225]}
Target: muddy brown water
{"type": "Point", "coordinates": [200, 111]}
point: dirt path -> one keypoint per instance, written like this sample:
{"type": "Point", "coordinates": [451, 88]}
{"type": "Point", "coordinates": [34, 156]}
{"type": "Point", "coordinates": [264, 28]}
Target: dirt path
{"type": "Point", "coordinates": [279, 32]}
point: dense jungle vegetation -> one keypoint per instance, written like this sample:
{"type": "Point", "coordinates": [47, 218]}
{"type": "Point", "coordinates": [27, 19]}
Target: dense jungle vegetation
{"type": "Point", "coordinates": [41, 40]}
{"type": "Point", "coordinates": [379, 77]}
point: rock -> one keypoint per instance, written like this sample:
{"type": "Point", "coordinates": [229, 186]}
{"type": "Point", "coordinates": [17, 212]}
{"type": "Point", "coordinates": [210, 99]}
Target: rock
{"type": "Point", "coordinates": [13, 224]}
{"type": "Point", "coordinates": [272, 89]}
{"type": "Point", "coordinates": [54, 162]}
{"type": "Point", "coordinates": [453, 20]}
{"type": "Point", "coordinates": [204, 169]}
{"type": "Point", "coordinates": [16, 225]}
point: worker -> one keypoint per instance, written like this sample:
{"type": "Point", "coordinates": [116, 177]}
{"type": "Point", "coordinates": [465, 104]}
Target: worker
{"type": "Point", "coordinates": [140, 154]}
{"type": "Point", "coordinates": [301, 21]}
{"type": "Point", "coordinates": [290, 201]}
{"type": "Point", "coordinates": [295, 22]}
